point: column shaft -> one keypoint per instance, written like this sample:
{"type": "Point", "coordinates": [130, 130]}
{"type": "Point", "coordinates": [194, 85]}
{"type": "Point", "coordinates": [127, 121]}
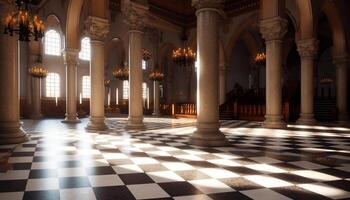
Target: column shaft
{"type": "Point", "coordinates": [156, 98]}
{"type": "Point", "coordinates": [36, 98]}
{"type": "Point", "coordinates": [340, 62]}
{"type": "Point", "coordinates": [10, 126]}
{"type": "Point", "coordinates": [135, 80]}
{"type": "Point", "coordinates": [273, 31]}
{"type": "Point", "coordinates": [208, 133]}
{"type": "Point", "coordinates": [71, 62]}
{"type": "Point", "coordinates": [97, 98]}
{"type": "Point", "coordinates": [97, 29]}
{"type": "Point", "coordinates": [307, 51]}
{"type": "Point", "coordinates": [222, 81]}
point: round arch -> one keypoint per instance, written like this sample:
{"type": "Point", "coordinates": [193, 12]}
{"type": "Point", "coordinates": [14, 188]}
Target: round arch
{"type": "Point", "coordinates": [335, 21]}
{"type": "Point", "coordinates": [306, 19]}
{"type": "Point", "coordinates": [99, 9]}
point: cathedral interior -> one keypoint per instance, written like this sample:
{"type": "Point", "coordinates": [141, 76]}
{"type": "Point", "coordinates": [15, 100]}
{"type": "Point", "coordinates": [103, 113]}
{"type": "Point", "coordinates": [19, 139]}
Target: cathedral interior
{"type": "Point", "coordinates": [174, 99]}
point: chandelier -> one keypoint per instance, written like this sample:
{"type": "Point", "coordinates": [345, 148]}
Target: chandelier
{"type": "Point", "coordinates": [121, 73]}
{"type": "Point", "coordinates": [107, 83]}
{"type": "Point", "coordinates": [21, 23]}
{"type": "Point", "coordinates": [260, 59]}
{"type": "Point", "coordinates": [38, 72]}
{"type": "Point", "coordinates": [156, 76]}
{"type": "Point", "coordinates": [146, 55]}
{"type": "Point", "coordinates": [184, 56]}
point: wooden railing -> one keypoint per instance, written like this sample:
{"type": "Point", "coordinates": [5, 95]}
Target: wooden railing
{"type": "Point", "coordinates": [254, 112]}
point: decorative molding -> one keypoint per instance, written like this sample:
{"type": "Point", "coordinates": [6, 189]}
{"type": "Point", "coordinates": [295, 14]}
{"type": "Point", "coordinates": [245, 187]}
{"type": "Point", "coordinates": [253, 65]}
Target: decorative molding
{"type": "Point", "coordinates": [273, 28]}
{"type": "Point", "coordinates": [96, 28]}
{"type": "Point", "coordinates": [70, 57]}
{"type": "Point", "coordinates": [133, 18]}
{"type": "Point", "coordinates": [340, 60]}
{"type": "Point", "coordinates": [308, 48]}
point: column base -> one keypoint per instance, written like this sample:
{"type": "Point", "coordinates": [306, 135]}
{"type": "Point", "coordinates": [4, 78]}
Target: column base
{"type": "Point", "coordinates": [96, 124]}
{"type": "Point", "coordinates": [343, 120]}
{"type": "Point", "coordinates": [306, 119]}
{"type": "Point", "coordinates": [156, 114]}
{"type": "Point", "coordinates": [135, 123]}
{"type": "Point", "coordinates": [71, 119]}
{"type": "Point", "coordinates": [36, 116]}
{"type": "Point", "coordinates": [274, 121]}
{"type": "Point", "coordinates": [208, 135]}
{"type": "Point", "coordinates": [12, 133]}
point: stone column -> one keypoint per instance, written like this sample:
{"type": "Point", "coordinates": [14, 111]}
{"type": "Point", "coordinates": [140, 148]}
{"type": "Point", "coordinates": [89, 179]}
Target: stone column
{"type": "Point", "coordinates": [36, 98]}
{"type": "Point", "coordinates": [307, 50]}
{"type": "Point", "coordinates": [208, 133]}
{"type": "Point", "coordinates": [156, 98]}
{"type": "Point", "coordinates": [135, 23]}
{"type": "Point", "coordinates": [10, 126]}
{"type": "Point", "coordinates": [273, 30]}
{"type": "Point", "coordinates": [340, 62]}
{"type": "Point", "coordinates": [71, 57]}
{"type": "Point", "coordinates": [97, 29]}
{"type": "Point", "coordinates": [222, 83]}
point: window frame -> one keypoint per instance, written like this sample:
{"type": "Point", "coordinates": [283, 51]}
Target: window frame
{"type": "Point", "coordinates": [125, 93]}
{"type": "Point", "coordinates": [55, 48]}
{"type": "Point", "coordinates": [86, 88]}
{"type": "Point", "coordinates": [85, 49]}
{"type": "Point", "coordinates": [53, 86]}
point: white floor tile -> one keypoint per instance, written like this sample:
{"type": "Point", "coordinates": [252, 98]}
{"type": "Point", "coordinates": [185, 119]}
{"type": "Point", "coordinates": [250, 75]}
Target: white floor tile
{"type": "Point", "coordinates": [264, 194]}
{"type": "Point", "coordinates": [147, 191]}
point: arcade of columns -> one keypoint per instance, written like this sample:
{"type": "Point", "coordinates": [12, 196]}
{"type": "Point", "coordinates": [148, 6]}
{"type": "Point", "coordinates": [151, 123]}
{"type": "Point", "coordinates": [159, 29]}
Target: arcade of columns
{"type": "Point", "coordinates": [210, 71]}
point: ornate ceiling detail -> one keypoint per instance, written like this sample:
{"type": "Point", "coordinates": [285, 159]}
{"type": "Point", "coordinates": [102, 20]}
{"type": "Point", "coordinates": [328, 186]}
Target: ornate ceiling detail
{"type": "Point", "coordinates": [182, 13]}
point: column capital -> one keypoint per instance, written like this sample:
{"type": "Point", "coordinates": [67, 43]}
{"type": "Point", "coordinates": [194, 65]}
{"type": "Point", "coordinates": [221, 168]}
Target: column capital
{"type": "Point", "coordinates": [134, 19]}
{"type": "Point", "coordinates": [200, 4]}
{"type": "Point", "coordinates": [96, 28]}
{"type": "Point", "coordinates": [214, 5]}
{"type": "Point", "coordinates": [308, 48]}
{"type": "Point", "coordinates": [273, 28]}
{"type": "Point", "coordinates": [340, 59]}
{"type": "Point", "coordinates": [70, 57]}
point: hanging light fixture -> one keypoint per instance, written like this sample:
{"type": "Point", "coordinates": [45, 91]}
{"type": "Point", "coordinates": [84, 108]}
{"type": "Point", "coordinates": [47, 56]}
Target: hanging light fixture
{"type": "Point", "coordinates": [121, 73]}
{"type": "Point", "coordinates": [260, 59]}
{"type": "Point", "coordinates": [146, 55]}
{"type": "Point", "coordinates": [184, 57]}
{"type": "Point", "coordinates": [156, 76]}
{"type": "Point", "coordinates": [38, 72]}
{"type": "Point", "coordinates": [22, 24]}
{"type": "Point", "coordinates": [107, 83]}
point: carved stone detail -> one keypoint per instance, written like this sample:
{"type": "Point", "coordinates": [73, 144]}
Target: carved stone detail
{"type": "Point", "coordinates": [71, 57]}
{"type": "Point", "coordinates": [273, 29]}
{"type": "Point", "coordinates": [133, 18]}
{"type": "Point", "coordinates": [200, 4]}
{"type": "Point", "coordinates": [97, 28]}
{"type": "Point", "coordinates": [308, 48]}
{"type": "Point", "coordinates": [340, 60]}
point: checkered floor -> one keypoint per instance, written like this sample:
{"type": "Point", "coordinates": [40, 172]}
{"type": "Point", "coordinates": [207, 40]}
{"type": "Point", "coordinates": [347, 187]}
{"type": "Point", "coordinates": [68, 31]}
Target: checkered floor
{"type": "Point", "coordinates": [65, 162]}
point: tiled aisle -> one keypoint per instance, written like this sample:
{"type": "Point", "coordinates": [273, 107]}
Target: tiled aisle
{"type": "Point", "coordinates": [62, 162]}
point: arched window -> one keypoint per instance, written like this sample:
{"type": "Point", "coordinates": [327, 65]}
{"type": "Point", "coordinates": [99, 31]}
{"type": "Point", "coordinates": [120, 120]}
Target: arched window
{"type": "Point", "coordinates": [52, 85]}
{"type": "Point", "coordinates": [144, 90]}
{"type": "Point", "coordinates": [52, 43]}
{"type": "Point", "coordinates": [86, 87]}
{"type": "Point", "coordinates": [126, 89]}
{"type": "Point", "coordinates": [85, 51]}
{"type": "Point", "coordinates": [144, 64]}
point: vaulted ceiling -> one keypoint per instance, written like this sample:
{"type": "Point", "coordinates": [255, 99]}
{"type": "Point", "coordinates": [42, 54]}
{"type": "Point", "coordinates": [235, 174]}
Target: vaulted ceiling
{"type": "Point", "coordinates": [182, 13]}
